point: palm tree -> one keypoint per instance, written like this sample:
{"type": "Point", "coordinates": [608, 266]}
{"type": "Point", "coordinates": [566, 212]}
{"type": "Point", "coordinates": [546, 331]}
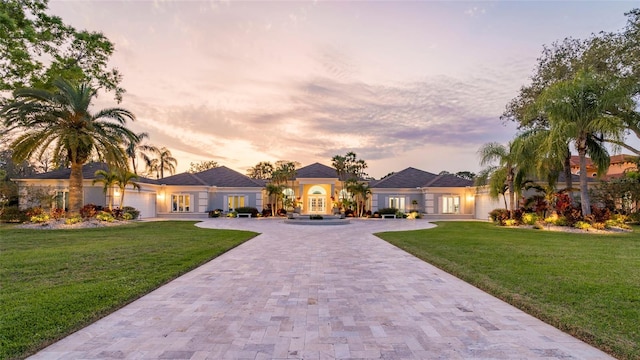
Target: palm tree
{"type": "Point", "coordinates": [135, 149]}
{"type": "Point", "coordinates": [507, 169]}
{"type": "Point", "coordinates": [60, 120]}
{"type": "Point", "coordinates": [108, 179]}
{"type": "Point", "coordinates": [274, 191]}
{"type": "Point", "coordinates": [164, 161]}
{"type": "Point", "coordinates": [124, 178]}
{"type": "Point", "coordinates": [580, 112]}
{"type": "Point", "coordinates": [361, 192]}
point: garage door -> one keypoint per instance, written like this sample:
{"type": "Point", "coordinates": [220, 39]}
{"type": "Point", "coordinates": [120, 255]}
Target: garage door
{"type": "Point", "coordinates": [143, 201]}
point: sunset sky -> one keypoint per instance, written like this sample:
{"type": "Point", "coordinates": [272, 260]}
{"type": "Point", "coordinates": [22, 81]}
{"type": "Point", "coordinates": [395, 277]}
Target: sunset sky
{"type": "Point", "coordinates": [418, 84]}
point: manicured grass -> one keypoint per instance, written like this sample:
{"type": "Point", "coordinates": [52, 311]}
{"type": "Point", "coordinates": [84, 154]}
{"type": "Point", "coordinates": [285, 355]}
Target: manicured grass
{"type": "Point", "coordinates": [54, 282]}
{"type": "Point", "coordinates": [584, 284]}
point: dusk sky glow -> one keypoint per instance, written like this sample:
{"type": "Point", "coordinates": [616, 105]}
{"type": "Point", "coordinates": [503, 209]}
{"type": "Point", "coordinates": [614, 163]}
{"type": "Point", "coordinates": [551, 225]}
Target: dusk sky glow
{"type": "Point", "coordinates": [418, 84]}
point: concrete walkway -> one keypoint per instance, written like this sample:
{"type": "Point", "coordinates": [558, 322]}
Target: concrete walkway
{"type": "Point", "coordinates": [318, 292]}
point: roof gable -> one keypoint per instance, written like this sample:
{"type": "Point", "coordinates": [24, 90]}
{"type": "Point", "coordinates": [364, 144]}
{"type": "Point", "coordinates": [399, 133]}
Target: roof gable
{"type": "Point", "coordinates": [316, 171]}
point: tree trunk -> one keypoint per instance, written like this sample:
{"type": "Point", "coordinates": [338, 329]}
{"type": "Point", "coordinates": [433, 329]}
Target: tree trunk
{"type": "Point", "coordinates": [584, 191]}
{"type": "Point", "coordinates": [122, 197]}
{"type": "Point", "coordinates": [511, 194]}
{"type": "Point", "coordinates": [567, 173]}
{"type": "Point", "coordinates": [75, 189]}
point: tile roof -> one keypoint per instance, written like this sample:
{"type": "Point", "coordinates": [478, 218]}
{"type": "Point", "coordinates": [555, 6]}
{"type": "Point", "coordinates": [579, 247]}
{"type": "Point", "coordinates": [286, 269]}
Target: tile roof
{"type": "Point", "coordinates": [88, 172]}
{"type": "Point", "coordinates": [316, 170]}
{"type": "Point", "coordinates": [407, 178]}
{"type": "Point", "coordinates": [411, 178]}
{"type": "Point", "coordinates": [220, 176]}
{"type": "Point", "coordinates": [449, 180]}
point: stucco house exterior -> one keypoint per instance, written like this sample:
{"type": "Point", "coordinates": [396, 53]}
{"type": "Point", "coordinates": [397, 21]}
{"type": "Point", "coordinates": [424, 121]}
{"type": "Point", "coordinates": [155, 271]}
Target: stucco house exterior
{"type": "Point", "coordinates": [316, 189]}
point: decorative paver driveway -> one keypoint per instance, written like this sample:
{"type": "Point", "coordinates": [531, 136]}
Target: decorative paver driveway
{"type": "Point", "coordinates": [318, 292]}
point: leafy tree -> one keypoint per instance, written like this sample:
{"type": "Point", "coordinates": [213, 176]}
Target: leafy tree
{"type": "Point", "coordinates": [262, 170]}
{"type": "Point", "coordinates": [60, 121]}
{"type": "Point", "coordinates": [37, 48]}
{"type": "Point", "coordinates": [163, 161]}
{"type": "Point", "coordinates": [468, 175]}
{"type": "Point", "coordinates": [580, 111]}
{"type": "Point", "coordinates": [202, 166]}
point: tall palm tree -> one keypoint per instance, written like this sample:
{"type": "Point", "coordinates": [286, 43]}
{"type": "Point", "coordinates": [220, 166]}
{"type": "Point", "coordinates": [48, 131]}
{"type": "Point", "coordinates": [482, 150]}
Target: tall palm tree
{"type": "Point", "coordinates": [108, 179]}
{"type": "Point", "coordinates": [580, 112]}
{"type": "Point", "coordinates": [163, 161]}
{"type": "Point", "coordinates": [137, 150]}
{"type": "Point", "coordinates": [60, 120]}
{"type": "Point", "coordinates": [361, 192]}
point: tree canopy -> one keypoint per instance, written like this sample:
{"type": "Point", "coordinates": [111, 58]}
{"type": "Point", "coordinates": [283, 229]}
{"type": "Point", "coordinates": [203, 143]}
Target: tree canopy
{"type": "Point", "coordinates": [37, 48]}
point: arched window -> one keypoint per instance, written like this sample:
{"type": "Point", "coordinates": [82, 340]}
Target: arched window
{"type": "Point", "coordinates": [317, 190]}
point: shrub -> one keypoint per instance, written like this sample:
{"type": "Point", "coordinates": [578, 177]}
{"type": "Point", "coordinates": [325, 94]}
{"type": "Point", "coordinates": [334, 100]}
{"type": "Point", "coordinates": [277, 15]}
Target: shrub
{"type": "Point", "coordinates": [387, 211]}
{"type": "Point", "coordinates": [376, 215]}
{"type": "Point", "coordinates": [582, 225]}
{"type": "Point", "coordinates": [538, 226]}
{"type": "Point", "coordinates": [511, 222]}
{"type": "Point", "coordinates": [135, 213]}
{"type": "Point", "coordinates": [105, 216]}
{"type": "Point", "coordinates": [400, 215]}
{"type": "Point", "coordinates": [561, 221]}
{"type": "Point", "coordinates": [529, 218]}
{"type": "Point", "coordinates": [232, 214]}
{"type": "Point", "coordinates": [499, 216]}
{"type": "Point", "coordinates": [34, 211]}
{"type": "Point", "coordinates": [216, 213]}
{"type": "Point", "coordinates": [266, 212]}
{"type": "Point", "coordinates": [315, 217]}
{"type": "Point", "coordinates": [414, 215]}
{"type": "Point", "coordinates": [58, 214]}
{"type": "Point", "coordinates": [89, 211]}
{"type": "Point", "coordinates": [12, 214]}
{"type": "Point", "coordinates": [634, 217]}
{"type": "Point", "coordinates": [281, 212]}
{"type": "Point", "coordinates": [76, 219]}
{"type": "Point", "coordinates": [127, 216]}
{"type": "Point", "coordinates": [599, 225]}
{"type": "Point", "coordinates": [39, 219]}
{"type": "Point", "coordinates": [348, 213]}
{"type": "Point", "coordinates": [248, 209]}
{"type": "Point", "coordinates": [599, 214]}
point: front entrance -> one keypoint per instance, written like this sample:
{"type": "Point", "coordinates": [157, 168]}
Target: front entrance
{"type": "Point", "coordinates": [317, 204]}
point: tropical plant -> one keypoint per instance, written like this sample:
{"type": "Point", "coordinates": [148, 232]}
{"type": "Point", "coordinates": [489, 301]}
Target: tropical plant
{"type": "Point", "coordinates": [136, 150]}
{"type": "Point", "coordinates": [125, 178]}
{"type": "Point", "coordinates": [580, 111]}
{"type": "Point", "coordinates": [361, 192]}
{"type": "Point", "coordinates": [60, 120]}
{"type": "Point", "coordinates": [504, 177]}
{"type": "Point", "coordinates": [274, 192]}
{"type": "Point", "coordinates": [109, 180]}
{"type": "Point", "coordinates": [163, 161]}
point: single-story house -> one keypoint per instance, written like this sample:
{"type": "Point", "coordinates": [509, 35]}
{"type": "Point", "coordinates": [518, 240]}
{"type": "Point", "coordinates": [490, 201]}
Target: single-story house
{"type": "Point", "coordinates": [316, 189]}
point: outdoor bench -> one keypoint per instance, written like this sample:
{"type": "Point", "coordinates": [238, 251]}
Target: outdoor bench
{"type": "Point", "coordinates": [244, 214]}
{"type": "Point", "coordinates": [390, 216]}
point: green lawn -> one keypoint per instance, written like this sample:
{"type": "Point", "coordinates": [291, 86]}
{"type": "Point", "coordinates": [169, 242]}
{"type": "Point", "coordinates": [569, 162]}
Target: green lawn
{"type": "Point", "coordinates": [54, 282]}
{"type": "Point", "coordinates": [587, 285]}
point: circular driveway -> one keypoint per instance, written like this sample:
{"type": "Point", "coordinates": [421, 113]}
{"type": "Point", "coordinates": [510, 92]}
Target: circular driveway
{"type": "Point", "coordinates": [318, 292]}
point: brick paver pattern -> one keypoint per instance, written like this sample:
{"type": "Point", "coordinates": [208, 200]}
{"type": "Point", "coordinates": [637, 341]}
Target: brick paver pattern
{"type": "Point", "coordinates": [318, 292]}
